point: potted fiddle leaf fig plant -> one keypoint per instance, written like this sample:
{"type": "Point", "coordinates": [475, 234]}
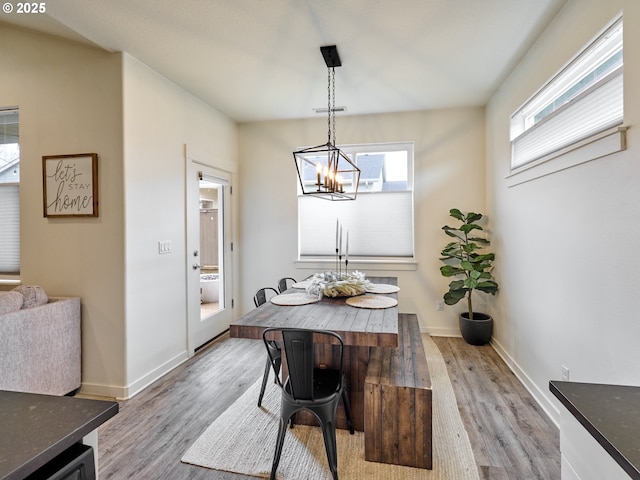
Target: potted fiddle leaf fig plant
{"type": "Point", "coordinates": [465, 257]}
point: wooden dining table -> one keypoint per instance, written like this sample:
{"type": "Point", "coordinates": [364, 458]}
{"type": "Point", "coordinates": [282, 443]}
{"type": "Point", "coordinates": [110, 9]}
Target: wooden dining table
{"type": "Point", "coordinates": [360, 329]}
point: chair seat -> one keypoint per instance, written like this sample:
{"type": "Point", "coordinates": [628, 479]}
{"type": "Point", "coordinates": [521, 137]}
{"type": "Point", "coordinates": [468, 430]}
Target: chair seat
{"type": "Point", "coordinates": [324, 386]}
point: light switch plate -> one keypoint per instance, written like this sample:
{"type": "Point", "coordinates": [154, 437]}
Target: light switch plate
{"type": "Point", "coordinates": [164, 246]}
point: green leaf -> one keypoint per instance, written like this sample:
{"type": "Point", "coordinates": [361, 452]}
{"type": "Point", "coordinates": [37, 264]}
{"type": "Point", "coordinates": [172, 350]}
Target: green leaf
{"type": "Point", "coordinates": [450, 271]}
{"type": "Point", "coordinates": [472, 217]}
{"type": "Point", "coordinates": [451, 249]}
{"type": "Point", "coordinates": [481, 240]}
{"type": "Point", "coordinates": [453, 232]}
{"type": "Point", "coordinates": [455, 213]}
{"type": "Point", "coordinates": [489, 286]}
{"type": "Point", "coordinates": [469, 247]}
{"type": "Point", "coordinates": [469, 227]}
{"type": "Point", "coordinates": [486, 257]}
{"type": "Point", "coordinates": [470, 283]}
{"type": "Point", "coordinates": [451, 298]}
{"type": "Point", "coordinates": [468, 266]}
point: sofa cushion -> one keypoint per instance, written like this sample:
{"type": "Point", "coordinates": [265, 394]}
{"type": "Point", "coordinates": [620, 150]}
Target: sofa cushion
{"type": "Point", "coordinates": [10, 302]}
{"type": "Point", "coordinates": [34, 295]}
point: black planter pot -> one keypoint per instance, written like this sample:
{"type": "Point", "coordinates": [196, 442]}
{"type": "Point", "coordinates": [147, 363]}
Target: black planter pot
{"type": "Point", "coordinates": [477, 331]}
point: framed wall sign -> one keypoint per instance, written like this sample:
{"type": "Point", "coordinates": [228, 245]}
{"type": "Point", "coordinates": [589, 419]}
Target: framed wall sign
{"type": "Point", "coordinates": [70, 185]}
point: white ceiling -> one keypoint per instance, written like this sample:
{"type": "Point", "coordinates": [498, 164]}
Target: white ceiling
{"type": "Point", "coordinates": [260, 59]}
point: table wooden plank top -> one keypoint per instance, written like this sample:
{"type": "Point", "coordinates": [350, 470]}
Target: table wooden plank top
{"type": "Point", "coordinates": [356, 326]}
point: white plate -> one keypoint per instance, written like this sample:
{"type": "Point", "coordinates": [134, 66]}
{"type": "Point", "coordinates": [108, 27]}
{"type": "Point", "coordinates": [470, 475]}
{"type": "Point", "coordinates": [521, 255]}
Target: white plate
{"type": "Point", "coordinates": [382, 288]}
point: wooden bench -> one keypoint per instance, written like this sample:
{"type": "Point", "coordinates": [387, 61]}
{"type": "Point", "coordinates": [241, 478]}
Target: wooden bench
{"type": "Point", "coordinates": [397, 424]}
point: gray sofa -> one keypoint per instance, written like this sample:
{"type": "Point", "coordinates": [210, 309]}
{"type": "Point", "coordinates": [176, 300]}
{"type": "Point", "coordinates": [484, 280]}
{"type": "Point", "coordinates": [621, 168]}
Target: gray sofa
{"type": "Point", "coordinates": [40, 347]}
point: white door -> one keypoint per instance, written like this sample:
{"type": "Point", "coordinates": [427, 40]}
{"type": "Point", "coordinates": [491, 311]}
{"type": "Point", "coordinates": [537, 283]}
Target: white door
{"type": "Point", "coordinates": [208, 268]}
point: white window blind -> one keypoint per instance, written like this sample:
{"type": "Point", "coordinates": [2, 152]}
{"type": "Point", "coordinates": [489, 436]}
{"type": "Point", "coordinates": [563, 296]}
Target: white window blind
{"type": "Point", "coordinates": [10, 231]}
{"type": "Point", "coordinates": [598, 110]}
{"type": "Point", "coordinates": [379, 224]}
{"type": "Point", "coordinates": [582, 100]}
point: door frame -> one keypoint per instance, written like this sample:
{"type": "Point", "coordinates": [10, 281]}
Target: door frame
{"type": "Point", "coordinates": [193, 166]}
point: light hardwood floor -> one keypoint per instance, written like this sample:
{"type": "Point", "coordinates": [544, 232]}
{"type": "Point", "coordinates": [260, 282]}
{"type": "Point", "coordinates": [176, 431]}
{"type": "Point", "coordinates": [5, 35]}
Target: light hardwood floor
{"type": "Point", "coordinates": [511, 438]}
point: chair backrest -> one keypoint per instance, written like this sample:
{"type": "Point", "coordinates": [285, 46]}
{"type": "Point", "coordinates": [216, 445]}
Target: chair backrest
{"type": "Point", "coordinates": [283, 283]}
{"type": "Point", "coordinates": [263, 294]}
{"type": "Point", "coordinates": [300, 347]}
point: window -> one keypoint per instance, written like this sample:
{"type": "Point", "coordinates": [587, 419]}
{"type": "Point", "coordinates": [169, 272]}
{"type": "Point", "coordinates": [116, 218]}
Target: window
{"type": "Point", "coordinates": [583, 99]}
{"type": "Point", "coordinates": [9, 192]}
{"type": "Point", "coordinates": [379, 221]}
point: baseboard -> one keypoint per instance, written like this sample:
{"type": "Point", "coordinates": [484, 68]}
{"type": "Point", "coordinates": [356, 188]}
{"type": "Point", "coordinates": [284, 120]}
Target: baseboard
{"type": "Point", "coordinates": [98, 391]}
{"type": "Point", "coordinates": [539, 395]}
{"type": "Point", "coordinates": [155, 374]}
{"type": "Point", "coordinates": [125, 393]}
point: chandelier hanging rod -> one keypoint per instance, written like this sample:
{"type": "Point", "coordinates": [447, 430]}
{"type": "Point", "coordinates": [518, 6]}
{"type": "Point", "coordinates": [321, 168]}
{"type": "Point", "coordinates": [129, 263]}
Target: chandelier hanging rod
{"type": "Point", "coordinates": [324, 171]}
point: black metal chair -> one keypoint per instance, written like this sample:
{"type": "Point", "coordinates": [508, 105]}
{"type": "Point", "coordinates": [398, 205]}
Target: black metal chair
{"type": "Point", "coordinates": [283, 283]}
{"type": "Point", "coordinates": [307, 387]}
{"type": "Point", "coordinates": [259, 298]}
{"type": "Point", "coordinates": [263, 294]}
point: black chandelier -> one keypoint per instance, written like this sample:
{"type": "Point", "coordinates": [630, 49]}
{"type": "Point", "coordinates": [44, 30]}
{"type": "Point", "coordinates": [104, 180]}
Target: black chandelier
{"type": "Point", "coordinates": [325, 171]}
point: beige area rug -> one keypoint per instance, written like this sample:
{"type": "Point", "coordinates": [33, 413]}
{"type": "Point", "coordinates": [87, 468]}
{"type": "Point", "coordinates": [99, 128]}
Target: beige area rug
{"type": "Point", "coordinates": [242, 440]}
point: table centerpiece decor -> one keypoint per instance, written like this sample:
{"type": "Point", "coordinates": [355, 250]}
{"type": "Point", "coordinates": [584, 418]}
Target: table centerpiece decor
{"type": "Point", "coordinates": [338, 284]}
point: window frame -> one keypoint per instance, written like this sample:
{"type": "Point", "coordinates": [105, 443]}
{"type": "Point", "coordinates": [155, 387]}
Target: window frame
{"type": "Point", "coordinates": [581, 147]}
{"type": "Point", "coordinates": [321, 261]}
{"type": "Point", "coordinates": [12, 277]}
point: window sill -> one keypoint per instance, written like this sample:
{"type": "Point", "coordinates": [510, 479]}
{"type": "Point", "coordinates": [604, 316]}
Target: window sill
{"type": "Point", "coordinates": [321, 265]}
{"type": "Point", "coordinates": [597, 146]}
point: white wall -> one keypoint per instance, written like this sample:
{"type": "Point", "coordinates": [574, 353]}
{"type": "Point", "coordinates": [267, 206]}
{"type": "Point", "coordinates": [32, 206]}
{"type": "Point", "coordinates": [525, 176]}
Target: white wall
{"type": "Point", "coordinates": [70, 102]}
{"type": "Point", "coordinates": [566, 242]}
{"type": "Point", "coordinates": [449, 172]}
{"type": "Point", "coordinates": [159, 120]}
{"type": "Point", "coordinates": [79, 99]}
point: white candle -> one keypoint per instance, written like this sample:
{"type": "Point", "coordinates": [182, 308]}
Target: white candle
{"type": "Point", "coordinates": [340, 248]}
{"type": "Point", "coordinates": [346, 253]}
{"type": "Point", "coordinates": [337, 222]}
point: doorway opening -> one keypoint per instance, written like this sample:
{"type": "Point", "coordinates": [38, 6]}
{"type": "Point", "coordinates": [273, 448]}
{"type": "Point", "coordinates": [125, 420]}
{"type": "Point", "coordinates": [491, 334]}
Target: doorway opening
{"type": "Point", "coordinates": [211, 243]}
{"type": "Point", "coordinates": [209, 264]}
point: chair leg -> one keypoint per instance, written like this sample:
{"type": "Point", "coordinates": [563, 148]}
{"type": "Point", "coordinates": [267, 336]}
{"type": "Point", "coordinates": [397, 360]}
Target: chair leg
{"type": "Point", "coordinates": [282, 431]}
{"type": "Point", "coordinates": [277, 372]}
{"type": "Point", "coordinates": [265, 377]}
{"type": "Point", "coordinates": [329, 434]}
{"type": "Point", "coordinates": [347, 408]}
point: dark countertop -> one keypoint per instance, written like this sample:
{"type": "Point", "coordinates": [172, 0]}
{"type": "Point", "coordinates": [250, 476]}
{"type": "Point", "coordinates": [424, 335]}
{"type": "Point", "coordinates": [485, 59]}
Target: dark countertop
{"type": "Point", "coordinates": [611, 414]}
{"type": "Point", "coordinates": [36, 428]}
